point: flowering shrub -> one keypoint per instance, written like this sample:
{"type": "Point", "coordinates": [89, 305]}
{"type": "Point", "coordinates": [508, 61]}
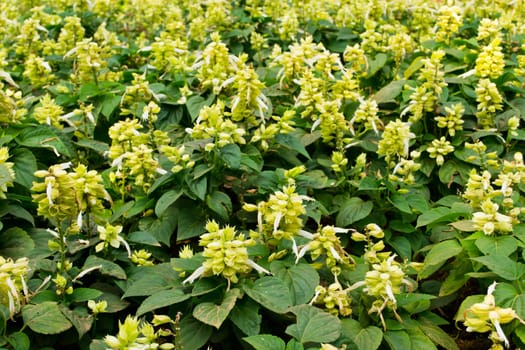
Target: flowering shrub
{"type": "Point", "coordinates": [262, 174]}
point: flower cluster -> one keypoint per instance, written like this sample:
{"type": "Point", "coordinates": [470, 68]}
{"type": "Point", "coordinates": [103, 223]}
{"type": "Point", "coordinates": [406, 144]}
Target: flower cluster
{"type": "Point", "coordinates": [226, 254]}
{"type": "Point", "coordinates": [448, 22]}
{"type": "Point", "coordinates": [491, 61]}
{"type": "Point", "coordinates": [137, 334]}
{"type": "Point", "coordinates": [334, 299]}
{"type": "Point", "coordinates": [6, 169]}
{"type": "Point", "coordinates": [395, 141]}
{"type": "Point", "coordinates": [452, 120]}
{"type": "Point", "coordinates": [12, 283]}
{"type": "Point", "coordinates": [439, 149]}
{"type": "Point", "coordinates": [133, 156]}
{"type": "Point", "coordinates": [48, 112]}
{"type": "Point", "coordinates": [425, 96]}
{"type": "Point", "coordinates": [326, 244]}
{"type": "Point", "coordinates": [489, 102]}
{"type": "Point", "coordinates": [110, 236]}
{"type": "Point", "coordinates": [69, 195]}
{"type": "Point", "coordinates": [486, 316]}
{"type": "Point", "coordinates": [213, 125]}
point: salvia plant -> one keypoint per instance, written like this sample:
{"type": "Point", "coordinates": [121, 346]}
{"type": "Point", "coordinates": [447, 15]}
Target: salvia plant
{"type": "Point", "coordinates": [262, 174]}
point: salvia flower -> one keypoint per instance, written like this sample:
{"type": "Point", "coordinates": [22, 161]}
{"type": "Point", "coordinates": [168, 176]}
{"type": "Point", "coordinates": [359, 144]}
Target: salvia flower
{"type": "Point", "coordinates": [110, 236]}
{"type": "Point", "coordinates": [7, 169]}
{"type": "Point", "coordinates": [12, 283]}
{"type": "Point", "coordinates": [395, 140]}
{"type": "Point", "coordinates": [439, 149]}
{"type": "Point", "coordinates": [486, 316]}
{"type": "Point", "coordinates": [491, 61]}
{"type": "Point", "coordinates": [226, 254]}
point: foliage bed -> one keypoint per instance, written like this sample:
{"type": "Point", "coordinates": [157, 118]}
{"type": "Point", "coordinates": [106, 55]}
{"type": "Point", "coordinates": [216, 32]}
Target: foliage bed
{"type": "Point", "coordinates": [262, 174]}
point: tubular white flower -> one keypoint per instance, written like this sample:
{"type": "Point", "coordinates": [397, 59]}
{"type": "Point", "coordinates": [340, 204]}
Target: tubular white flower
{"type": "Point", "coordinates": [196, 274]}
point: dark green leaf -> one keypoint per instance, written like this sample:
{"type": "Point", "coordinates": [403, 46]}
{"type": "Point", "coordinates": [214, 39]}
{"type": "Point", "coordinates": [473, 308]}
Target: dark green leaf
{"type": "Point", "coordinates": [84, 294]}
{"type": "Point", "coordinates": [503, 245]}
{"type": "Point", "coordinates": [167, 199]}
{"type": "Point", "coordinates": [19, 341]}
{"type": "Point", "coordinates": [503, 266]}
{"type": "Point", "coordinates": [162, 299]}
{"type": "Point", "coordinates": [45, 318]}
{"type": "Point", "coordinates": [24, 166]}
{"type": "Point", "coordinates": [81, 320]}
{"type": "Point", "coordinates": [265, 342]}
{"type": "Point", "coordinates": [245, 315]}
{"type": "Point", "coordinates": [389, 92]}
{"type": "Point", "coordinates": [15, 243]}
{"type": "Point", "coordinates": [301, 280]}
{"type": "Point", "coordinates": [352, 210]}
{"type": "Point", "coordinates": [194, 334]}
{"type": "Point", "coordinates": [106, 267]}
{"type": "Point", "coordinates": [270, 292]}
{"type": "Point", "coordinates": [292, 142]}
{"type": "Point", "coordinates": [314, 325]}
{"type": "Point", "coordinates": [438, 255]}
{"type": "Point", "coordinates": [366, 338]}
{"type": "Point", "coordinates": [231, 155]}
{"type": "Point", "coordinates": [220, 203]}
{"type": "Point", "coordinates": [213, 314]}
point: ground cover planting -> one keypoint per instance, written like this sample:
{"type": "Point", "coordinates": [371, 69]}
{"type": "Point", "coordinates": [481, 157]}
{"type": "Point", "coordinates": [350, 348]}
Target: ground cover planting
{"type": "Point", "coordinates": [262, 174]}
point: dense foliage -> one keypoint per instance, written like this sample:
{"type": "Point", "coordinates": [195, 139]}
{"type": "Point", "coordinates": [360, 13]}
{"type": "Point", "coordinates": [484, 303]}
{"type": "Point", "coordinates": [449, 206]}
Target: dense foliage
{"type": "Point", "coordinates": [262, 174]}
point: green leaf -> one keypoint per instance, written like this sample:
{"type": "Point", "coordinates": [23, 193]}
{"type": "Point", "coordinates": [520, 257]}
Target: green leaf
{"type": "Point", "coordinates": [19, 341]}
{"type": "Point", "coordinates": [366, 338]}
{"type": "Point", "coordinates": [419, 340]}
{"type": "Point", "coordinates": [352, 210]}
{"type": "Point", "coordinates": [161, 299]}
{"type": "Point", "coordinates": [397, 340]}
{"type": "Point", "coordinates": [314, 325]}
{"type": "Point", "coordinates": [109, 104]}
{"type": "Point", "coordinates": [293, 143]}
{"type": "Point", "coordinates": [220, 203]}
{"type": "Point", "coordinates": [24, 166]}
{"type": "Point", "coordinates": [191, 221]}
{"type": "Point", "coordinates": [167, 199]}
{"type": "Point", "coordinates": [265, 342]}
{"type": "Point", "coordinates": [213, 314]}
{"type": "Point", "coordinates": [84, 294]}
{"type": "Point", "coordinates": [45, 318]}
{"type": "Point", "coordinates": [503, 266]}
{"type": "Point", "coordinates": [438, 255]}
{"type": "Point", "coordinates": [21, 213]}
{"type": "Point", "coordinates": [245, 315]}
{"type": "Point", "coordinates": [294, 345]}
{"type": "Point", "coordinates": [87, 91]}
{"type": "Point", "coordinates": [198, 187]}
{"type": "Point", "coordinates": [152, 279]}
{"type": "Point", "coordinates": [270, 292]}
{"type": "Point", "coordinates": [15, 243]}
{"type": "Point", "coordinates": [194, 334]}
{"type": "Point", "coordinates": [503, 245]}
{"type": "Point", "coordinates": [163, 227]}
{"type": "Point", "coordinates": [414, 302]}
{"type": "Point", "coordinates": [301, 280]}
{"type": "Point", "coordinates": [377, 63]}
{"type": "Point", "coordinates": [143, 237]}
{"type": "Point", "coordinates": [43, 136]}
{"type": "Point", "coordinates": [97, 146]}
{"type": "Point", "coordinates": [195, 104]}
{"type": "Point", "coordinates": [231, 155]}
{"type": "Point", "coordinates": [389, 92]}
{"type": "Point", "coordinates": [111, 295]}
{"type": "Point", "coordinates": [439, 214]}
{"type": "Point", "coordinates": [81, 320]}
{"type": "Point", "coordinates": [438, 336]}
{"type": "Point", "coordinates": [106, 267]}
